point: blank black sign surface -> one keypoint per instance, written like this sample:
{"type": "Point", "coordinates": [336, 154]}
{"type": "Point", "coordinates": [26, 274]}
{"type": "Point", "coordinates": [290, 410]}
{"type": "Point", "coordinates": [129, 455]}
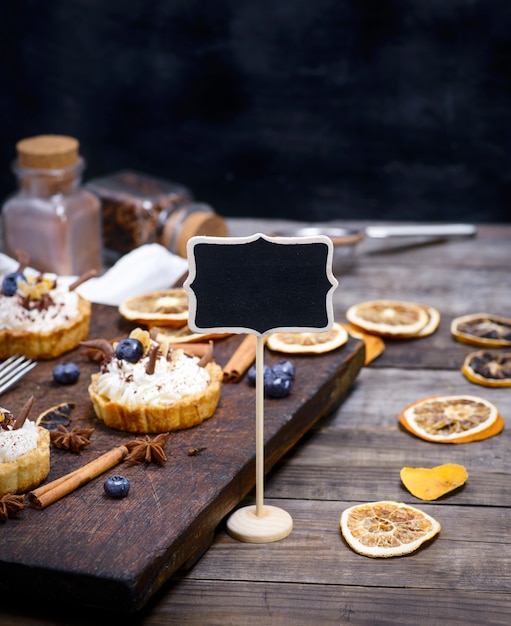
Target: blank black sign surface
{"type": "Point", "coordinates": [260, 284]}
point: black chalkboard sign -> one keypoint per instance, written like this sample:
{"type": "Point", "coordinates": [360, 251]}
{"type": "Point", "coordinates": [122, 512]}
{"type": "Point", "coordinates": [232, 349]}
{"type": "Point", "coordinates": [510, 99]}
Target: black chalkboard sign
{"type": "Point", "coordinates": [260, 284]}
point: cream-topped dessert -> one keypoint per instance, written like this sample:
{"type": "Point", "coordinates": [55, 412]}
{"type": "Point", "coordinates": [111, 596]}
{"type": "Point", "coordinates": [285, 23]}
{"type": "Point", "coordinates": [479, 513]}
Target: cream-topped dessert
{"type": "Point", "coordinates": [55, 306]}
{"type": "Point", "coordinates": [40, 316]}
{"type": "Point", "coordinates": [14, 443]}
{"type": "Point", "coordinates": [173, 378]}
{"type": "Point", "coordinates": [24, 452]}
{"type": "Point", "coordinates": [142, 387]}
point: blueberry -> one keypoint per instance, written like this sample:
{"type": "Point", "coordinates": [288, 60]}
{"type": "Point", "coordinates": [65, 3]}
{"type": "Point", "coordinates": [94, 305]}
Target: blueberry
{"type": "Point", "coordinates": [129, 350]}
{"type": "Point", "coordinates": [116, 486]}
{"type": "Point", "coordinates": [284, 368]}
{"type": "Point", "coordinates": [66, 373]}
{"type": "Point", "coordinates": [10, 283]}
{"type": "Point", "coordinates": [251, 374]}
{"type": "Point", "coordinates": [278, 387]}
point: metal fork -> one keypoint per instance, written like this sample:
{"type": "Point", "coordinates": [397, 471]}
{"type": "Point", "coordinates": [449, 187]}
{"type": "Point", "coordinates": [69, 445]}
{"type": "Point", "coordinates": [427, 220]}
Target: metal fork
{"type": "Point", "coordinates": [13, 369]}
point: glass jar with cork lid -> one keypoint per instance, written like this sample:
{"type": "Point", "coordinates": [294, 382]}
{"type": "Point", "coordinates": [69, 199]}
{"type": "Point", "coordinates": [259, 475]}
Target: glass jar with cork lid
{"type": "Point", "coordinates": [139, 209]}
{"type": "Point", "coordinates": [52, 217]}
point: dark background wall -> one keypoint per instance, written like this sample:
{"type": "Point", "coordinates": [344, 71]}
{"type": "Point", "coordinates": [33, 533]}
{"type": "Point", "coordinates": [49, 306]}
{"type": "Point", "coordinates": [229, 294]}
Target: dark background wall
{"type": "Point", "coordinates": [310, 109]}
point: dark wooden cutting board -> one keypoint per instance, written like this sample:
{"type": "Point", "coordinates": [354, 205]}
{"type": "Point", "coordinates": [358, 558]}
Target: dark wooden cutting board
{"type": "Point", "coordinates": [94, 551]}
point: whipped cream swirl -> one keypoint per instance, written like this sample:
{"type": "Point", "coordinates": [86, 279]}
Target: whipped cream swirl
{"type": "Point", "coordinates": [14, 443]}
{"type": "Point", "coordinates": [174, 378]}
{"type": "Point", "coordinates": [59, 308]}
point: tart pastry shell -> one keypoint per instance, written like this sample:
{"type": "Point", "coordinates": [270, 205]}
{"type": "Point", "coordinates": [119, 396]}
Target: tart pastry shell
{"type": "Point", "coordinates": [29, 469]}
{"type": "Point", "coordinates": [50, 344]}
{"type": "Point", "coordinates": [186, 412]}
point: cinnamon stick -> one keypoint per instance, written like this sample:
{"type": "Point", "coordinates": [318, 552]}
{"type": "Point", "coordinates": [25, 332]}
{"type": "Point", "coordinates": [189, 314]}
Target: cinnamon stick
{"type": "Point", "coordinates": [207, 357]}
{"type": "Point", "coordinates": [241, 360]}
{"type": "Point", "coordinates": [51, 492]}
{"type": "Point", "coordinates": [192, 348]}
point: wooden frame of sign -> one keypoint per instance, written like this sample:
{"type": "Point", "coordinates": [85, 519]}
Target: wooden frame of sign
{"type": "Point", "coordinates": [260, 285]}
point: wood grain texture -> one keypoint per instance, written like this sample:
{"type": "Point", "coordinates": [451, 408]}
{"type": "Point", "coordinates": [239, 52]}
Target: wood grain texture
{"type": "Point", "coordinates": [442, 564]}
{"type": "Point", "coordinates": [193, 602]}
{"type": "Point", "coordinates": [171, 513]}
{"type": "Point", "coordinates": [352, 455]}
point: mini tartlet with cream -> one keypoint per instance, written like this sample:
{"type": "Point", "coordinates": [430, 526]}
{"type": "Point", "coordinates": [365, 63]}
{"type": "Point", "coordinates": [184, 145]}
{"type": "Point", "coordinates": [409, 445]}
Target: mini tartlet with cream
{"type": "Point", "coordinates": [40, 317]}
{"type": "Point", "coordinates": [24, 452]}
{"type": "Point", "coordinates": [150, 388]}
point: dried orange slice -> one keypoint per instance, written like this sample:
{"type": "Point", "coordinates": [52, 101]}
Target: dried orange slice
{"type": "Point", "coordinates": [452, 419]}
{"type": "Point", "coordinates": [374, 345]}
{"type": "Point", "coordinates": [183, 334]}
{"type": "Point", "coordinates": [482, 329]}
{"type": "Point", "coordinates": [308, 342]}
{"type": "Point", "coordinates": [430, 483]}
{"type": "Point", "coordinates": [390, 318]}
{"type": "Point", "coordinates": [386, 528]}
{"type": "Point", "coordinates": [433, 322]}
{"type": "Point", "coordinates": [490, 369]}
{"type": "Point", "coordinates": [168, 307]}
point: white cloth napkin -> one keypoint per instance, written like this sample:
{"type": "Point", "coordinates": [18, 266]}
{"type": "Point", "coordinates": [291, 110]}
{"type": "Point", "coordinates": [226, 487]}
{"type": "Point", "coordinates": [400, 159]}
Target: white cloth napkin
{"type": "Point", "coordinates": [148, 268]}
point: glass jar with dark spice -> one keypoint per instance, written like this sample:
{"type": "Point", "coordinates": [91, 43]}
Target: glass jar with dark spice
{"type": "Point", "coordinates": [138, 209]}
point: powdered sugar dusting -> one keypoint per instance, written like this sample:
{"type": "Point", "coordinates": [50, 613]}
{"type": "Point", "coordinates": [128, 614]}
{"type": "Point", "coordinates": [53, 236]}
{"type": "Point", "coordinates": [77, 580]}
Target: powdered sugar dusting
{"type": "Point", "coordinates": [14, 443]}
{"type": "Point", "coordinates": [129, 384]}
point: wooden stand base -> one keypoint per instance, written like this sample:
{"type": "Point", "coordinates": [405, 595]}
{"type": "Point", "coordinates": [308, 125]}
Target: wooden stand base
{"type": "Point", "coordinates": [272, 524]}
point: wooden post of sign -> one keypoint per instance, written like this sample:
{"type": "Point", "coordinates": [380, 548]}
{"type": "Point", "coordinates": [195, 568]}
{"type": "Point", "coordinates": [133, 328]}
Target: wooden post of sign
{"type": "Point", "coordinates": [260, 523]}
{"type": "Point", "coordinates": [230, 282]}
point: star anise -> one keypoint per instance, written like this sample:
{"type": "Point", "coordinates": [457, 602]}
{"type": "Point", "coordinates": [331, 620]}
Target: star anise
{"type": "Point", "coordinates": [147, 450]}
{"type": "Point", "coordinates": [73, 440]}
{"type": "Point", "coordinates": [10, 506]}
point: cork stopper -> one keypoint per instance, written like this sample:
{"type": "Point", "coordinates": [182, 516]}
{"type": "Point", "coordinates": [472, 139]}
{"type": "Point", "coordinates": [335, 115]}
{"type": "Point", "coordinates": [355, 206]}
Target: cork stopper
{"type": "Point", "coordinates": [184, 224]}
{"type": "Point", "coordinates": [49, 152]}
{"type": "Point", "coordinates": [200, 223]}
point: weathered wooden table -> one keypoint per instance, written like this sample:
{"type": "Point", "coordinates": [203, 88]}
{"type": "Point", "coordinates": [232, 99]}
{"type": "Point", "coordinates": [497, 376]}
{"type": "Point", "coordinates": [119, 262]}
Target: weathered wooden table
{"type": "Point", "coordinates": [355, 455]}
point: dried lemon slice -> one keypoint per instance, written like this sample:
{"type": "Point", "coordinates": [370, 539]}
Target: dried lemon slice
{"type": "Point", "coordinates": [308, 342]}
{"type": "Point", "coordinates": [452, 419]}
{"type": "Point", "coordinates": [482, 329]}
{"type": "Point", "coordinates": [489, 369]}
{"type": "Point", "coordinates": [386, 528]}
{"type": "Point", "coordinates": [390, 318]}
{"type": "Point", "coordinates": [158, 308]}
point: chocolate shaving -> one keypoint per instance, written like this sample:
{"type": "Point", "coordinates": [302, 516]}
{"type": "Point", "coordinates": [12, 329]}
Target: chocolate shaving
{"type": "Point", "coordinates": [6, 419]}
{"type": "Point", "coordinates": [36, 302]}
{"type": "Point", "coordinates": [10, 506]}
{"type": "Point", "coordinates": [73, 440]}
{"type": "Point", "coordinates": [147, 450]}
{"type": "Point", "coordinates": [151, 361]}
{"type": "Point", "coordinates": [23, 414]}
{"type": "Point", "coordinates": [102, 345]}
{"type": "Point", "coordinates": [82, 279]}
